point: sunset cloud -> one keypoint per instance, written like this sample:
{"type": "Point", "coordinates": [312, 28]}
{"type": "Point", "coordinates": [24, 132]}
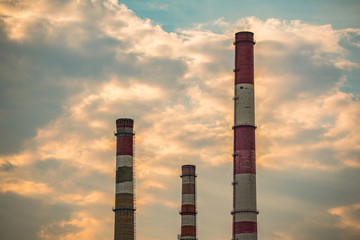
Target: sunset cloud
{"type": "Point", "coordinates": [69, 69]}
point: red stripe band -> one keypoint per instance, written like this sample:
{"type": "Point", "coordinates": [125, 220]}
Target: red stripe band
{"type": "Point", "coordinates": [244, 227]}
{"type": "Point", "coordinates": [244, 58]}
{"type": "Point", "coordinates": [188, 188]}
{"type": "Point", "coordinates": [244, 150]}
{"type": "Point", "coordinates": [188, 209]}
{"type": "Point", "coordinates": [124, 145]}
{"type": "Point", "coordinates": [188, 170]}
{"type": "Point", "coordinates": [124, 122]}
{"type": "Point", "coordinates": [188, 231]}
{"type": "Point", "coordinates": [244, 162]}
{"type": "Point", "coordinates": [244, 137]}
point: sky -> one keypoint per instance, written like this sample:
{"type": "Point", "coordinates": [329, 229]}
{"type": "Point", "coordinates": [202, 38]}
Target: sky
{"type": "Point", "coordinates": [70, 68]}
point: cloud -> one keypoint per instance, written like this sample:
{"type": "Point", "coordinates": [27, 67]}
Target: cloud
{"type": "Point", "coordinates": [299, 101]}
{"type": "Point", "coordinates": [25, 187]}
{"type": "Point", "coordinates": [6, 166]}
{"type": "Point", "coordinates": [316, 195]}
{"type": "Point", "coordinates": [69, 69]}
{"type": "Point", "coordinates": [155, 5]}
{"type": "Point", "coordinates": [349, 215]}
{"type": "Point", "coordinates": [81, 226]}
{"type": "Point", "coordinates": [323, 124]}
{"type": "Point", "coordinates": [19, 214]}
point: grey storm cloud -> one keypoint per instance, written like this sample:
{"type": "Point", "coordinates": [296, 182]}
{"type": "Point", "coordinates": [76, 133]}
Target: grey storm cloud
{"type": "Point", "coordinates": [34, 81]}
{"type": "Point", "coordinates": [56, 172]}
{"type": "Point", "coordinates": [23, 217]}
{"type": "Point", "coordinates": [28, 99]}
{"type": "Point", "coordinates": [7, 166]}
{"type": "Point", "coordinates": [312, 193]}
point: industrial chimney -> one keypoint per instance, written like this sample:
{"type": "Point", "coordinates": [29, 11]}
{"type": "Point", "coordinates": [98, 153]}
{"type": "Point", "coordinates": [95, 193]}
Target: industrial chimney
{"type": "Point", "coordinates": [124, 198]}
{"type": "Point", "coordinates": [244, 184]}
{"type": "Point", "coordinates": [188, 203]}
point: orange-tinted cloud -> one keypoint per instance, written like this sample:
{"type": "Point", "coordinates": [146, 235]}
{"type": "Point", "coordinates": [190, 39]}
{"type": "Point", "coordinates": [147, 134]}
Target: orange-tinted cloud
{"type": "Point", "coordinates": [178, 87]}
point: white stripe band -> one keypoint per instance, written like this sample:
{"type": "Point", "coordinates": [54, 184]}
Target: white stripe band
{"type": "Point", "coordinates": [125, 187]}
{"type": "Point", "coordinates": [124, 161]}
{"type": "Point", "coordinates": [245, 191]}
{"type": "Point", "coordinates": [125, 129]}
{"type": "Point", "coordinates": [244, 104]}
{"type": "Point", "coordinates": [188, 199]}
{"type": "Point", "coordinates": [246, 236]}
{"type": "Point", "coordinates": [245, 217]}
{"type": "Point", "coordinates": [188, 220]}
{"type": "Point", "coordinates": [188, 179]}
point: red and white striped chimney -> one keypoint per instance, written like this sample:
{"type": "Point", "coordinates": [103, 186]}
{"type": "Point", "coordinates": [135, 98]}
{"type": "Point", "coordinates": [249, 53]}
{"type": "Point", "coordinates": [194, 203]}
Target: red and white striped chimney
{"type": "Point", "coordinates": [188, 203]}
{"type": "Point", "coordinates": [244, 206]}
{"type": "Point", "coordinates": [124, 198]}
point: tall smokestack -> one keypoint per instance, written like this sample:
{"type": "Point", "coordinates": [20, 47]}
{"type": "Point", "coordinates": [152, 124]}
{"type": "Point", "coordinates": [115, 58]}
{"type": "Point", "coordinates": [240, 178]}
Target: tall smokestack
{"type": "Point", "coordinates": [124, 198]}
{"type": "Point", "coordinates": [188, 203]}
{"type": "Point", "coordinates": [244, 207]}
